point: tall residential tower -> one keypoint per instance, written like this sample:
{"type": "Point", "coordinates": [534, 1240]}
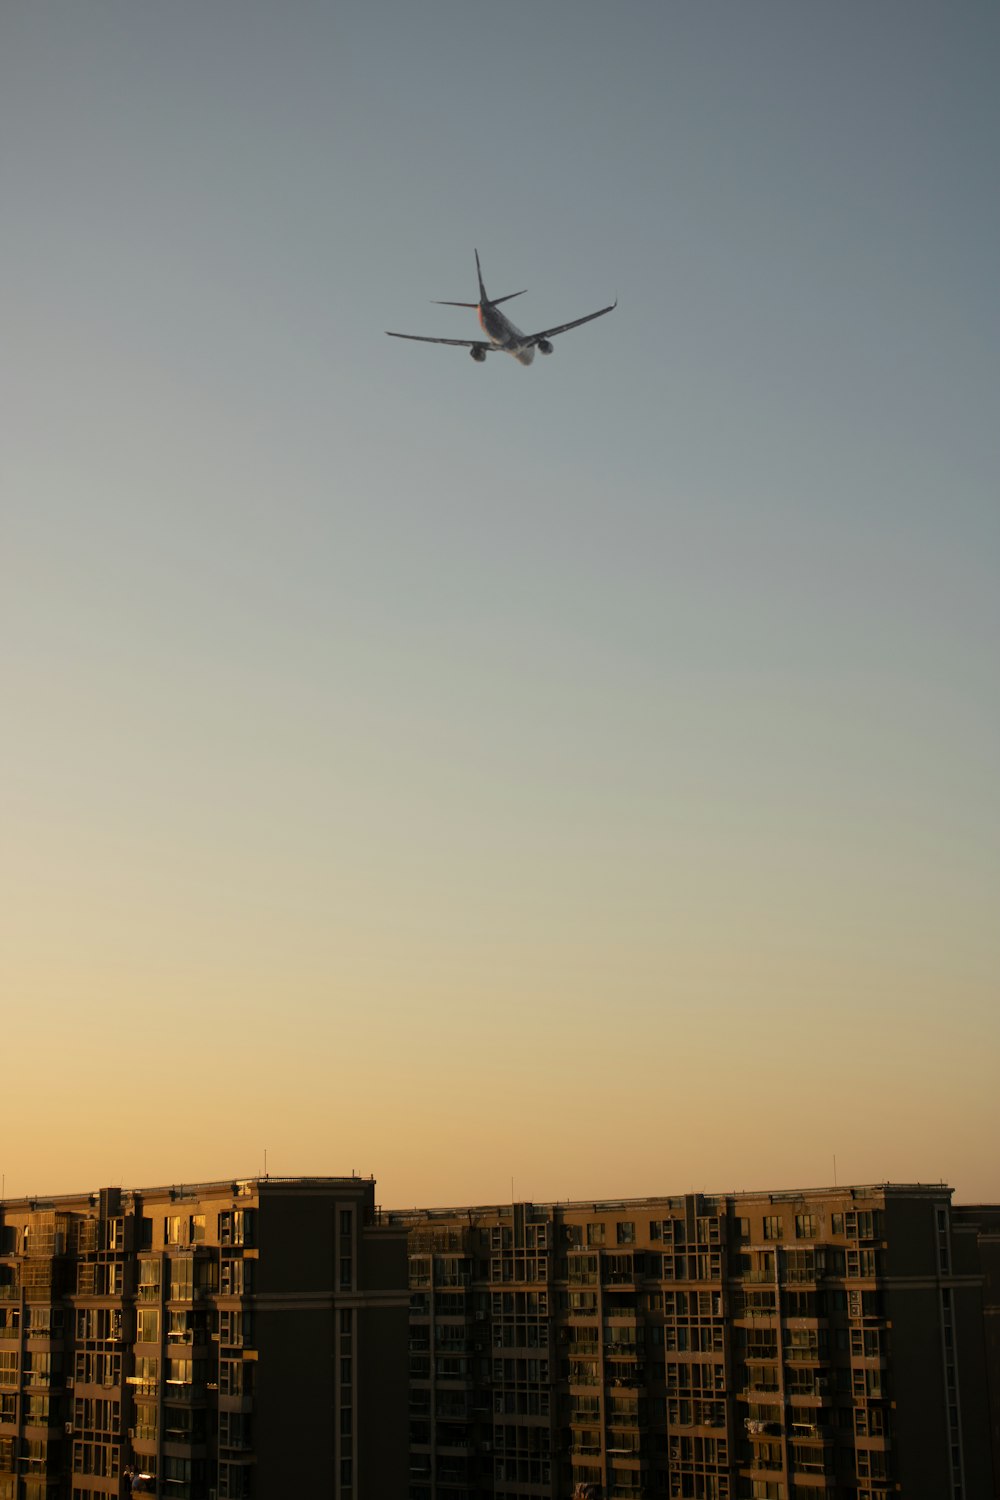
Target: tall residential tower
{"type": "Point", "coordinates": [233, 1340]}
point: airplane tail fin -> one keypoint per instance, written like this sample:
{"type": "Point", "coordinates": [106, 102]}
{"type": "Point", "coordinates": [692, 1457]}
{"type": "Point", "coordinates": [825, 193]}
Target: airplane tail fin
{"type": "Point", "coordinates": [495, 301]}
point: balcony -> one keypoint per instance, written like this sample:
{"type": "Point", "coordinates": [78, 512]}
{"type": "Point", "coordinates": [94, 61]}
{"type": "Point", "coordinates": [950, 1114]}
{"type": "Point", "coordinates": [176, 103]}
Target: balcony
{"type": "Point", "coordinates": [183, 1392]}
{"type": "Point", "coordinates": [758, 1387]}
{"type": "Point", "coordinates": [811, 1431]}
{"type": "Point", "coordinates": [803, 1390]}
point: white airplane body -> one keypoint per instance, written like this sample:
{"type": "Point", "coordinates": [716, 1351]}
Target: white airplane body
{"type": "Point", "coordinates": [500, 332]}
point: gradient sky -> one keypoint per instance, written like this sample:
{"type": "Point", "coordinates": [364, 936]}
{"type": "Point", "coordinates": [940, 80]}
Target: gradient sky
{"type": "Point", "coordinates": [583, 775]}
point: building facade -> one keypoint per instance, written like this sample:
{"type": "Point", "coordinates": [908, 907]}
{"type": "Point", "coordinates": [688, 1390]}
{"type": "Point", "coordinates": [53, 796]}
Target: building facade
{"type": "Point", "coordinates": [816, 1345]}
{"type": "Point", "coordinates": [233, 1340]}
{"type": "Point", "coordinates": [977, 1226]}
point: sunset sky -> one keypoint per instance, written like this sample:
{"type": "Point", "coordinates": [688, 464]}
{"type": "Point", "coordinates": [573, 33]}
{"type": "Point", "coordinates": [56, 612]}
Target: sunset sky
{"type": "Point", "coordinates": [585, 776]}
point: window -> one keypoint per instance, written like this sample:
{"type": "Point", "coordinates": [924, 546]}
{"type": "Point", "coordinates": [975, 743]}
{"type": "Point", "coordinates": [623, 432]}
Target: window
{"type": "Point", "coordinates": [181, 1278]}
{"type": "Point", "coordinates": [178, 1325]}
{"type": "Point", "coordinates": [595, 1234]}
{"type": "Point", "coordinates": [234, 1429]}
{"type": "Point", "coordinates": [180, 1371]}
{"type": "Point", "coordinates": [183, 1472]}
{"type": "Point", "coordinates": [237, 1277]}
{"type": "Point", "coordinates": [625, 1232]}
{"type": "Point", "coordinates": [581, 1269]}
{"type": "Point", "coordinates": [806, 1226]}
{"type": "Point", "coordinates": [800, 1265]}
{"type": "Point", "coordinates": [234, 1377]}
{"type": "Point", "coordinates": [234, 1481]}
{"type": "Point", "coordinates": [148, 1325]}
{"type": "Point", "coordinates": [773, 1227]}
{"type": "Point", "coordinates": [145, 1420]}
{"type": "Point", "coordinates": [871, 1463]}
{"type": "Point", "coordinates": [149, 1279]}
{"type": "Point", "coordinates": [36, 1412]}
{"type": "Point", "coordinates": [862, 1263]}
{"type": "Point", "coordinates": [96, 1458]}
{"type": "Point", "coordinates": [235, 1325]}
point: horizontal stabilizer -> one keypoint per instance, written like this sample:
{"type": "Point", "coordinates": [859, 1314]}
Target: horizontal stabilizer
{"type": "Point", "coordinates": [495, 301]}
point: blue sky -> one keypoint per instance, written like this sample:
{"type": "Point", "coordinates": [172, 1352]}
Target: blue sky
{"type": "Point", "coordinates": [431, 741]}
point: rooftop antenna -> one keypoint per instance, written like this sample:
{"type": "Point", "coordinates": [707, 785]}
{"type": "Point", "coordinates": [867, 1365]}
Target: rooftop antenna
{"type": "Point", "coordinates": [835, 1170]}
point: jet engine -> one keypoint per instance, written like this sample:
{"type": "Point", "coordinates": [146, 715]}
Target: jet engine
{"type": "Point", "coordinates": [543, 346]}
{"type": "Point", "coordinates": [478, 354]}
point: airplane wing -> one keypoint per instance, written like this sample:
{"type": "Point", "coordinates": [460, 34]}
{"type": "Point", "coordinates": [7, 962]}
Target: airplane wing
{"type": "Point", "coordinates": [425, 338]}
{"type": "Point", "coordinates": [550, 333]}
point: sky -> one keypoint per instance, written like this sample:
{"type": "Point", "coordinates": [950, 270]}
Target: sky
{"type": "Point", "coordinates": [576, 781]}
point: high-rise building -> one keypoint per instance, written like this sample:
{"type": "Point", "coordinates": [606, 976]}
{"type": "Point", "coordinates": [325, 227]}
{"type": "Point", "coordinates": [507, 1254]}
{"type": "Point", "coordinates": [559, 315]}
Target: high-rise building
{"type": "Point", "coordinates": [977, 1228]}
{"type": "Point", "coordinates": [814, 1345]}
{"type": "Point", "coordinates": [238, 1340]}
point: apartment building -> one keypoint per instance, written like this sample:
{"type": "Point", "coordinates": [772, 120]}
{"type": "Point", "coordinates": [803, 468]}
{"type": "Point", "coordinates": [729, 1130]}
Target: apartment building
{"type": "Point", "coordinates": [236, 1340]}
{"type": "Point", "coordinates": [977, 1226]}
{"type": "Point", "coordinates": [808, 1345]}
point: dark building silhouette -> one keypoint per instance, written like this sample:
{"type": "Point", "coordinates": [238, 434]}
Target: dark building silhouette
{"type": "Point", "coordinates": [977, 1228]}
{"type": "Point", "coordinates": [815, 1345]}
{"type": "Point", "coordinates": [223, 1341]}
{"type": "Point", "coordinates": [247, 1340]}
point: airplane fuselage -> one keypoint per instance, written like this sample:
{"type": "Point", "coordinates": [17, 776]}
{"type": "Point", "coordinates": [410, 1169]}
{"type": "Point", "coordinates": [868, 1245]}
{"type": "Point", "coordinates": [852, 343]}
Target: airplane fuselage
{"type": "Point", "coordinates": [502, 332]}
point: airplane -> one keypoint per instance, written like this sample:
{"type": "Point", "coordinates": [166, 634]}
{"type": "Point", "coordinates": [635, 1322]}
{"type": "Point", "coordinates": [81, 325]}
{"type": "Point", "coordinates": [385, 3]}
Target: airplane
{"type": "Point", "coordinates": [500, 331]}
